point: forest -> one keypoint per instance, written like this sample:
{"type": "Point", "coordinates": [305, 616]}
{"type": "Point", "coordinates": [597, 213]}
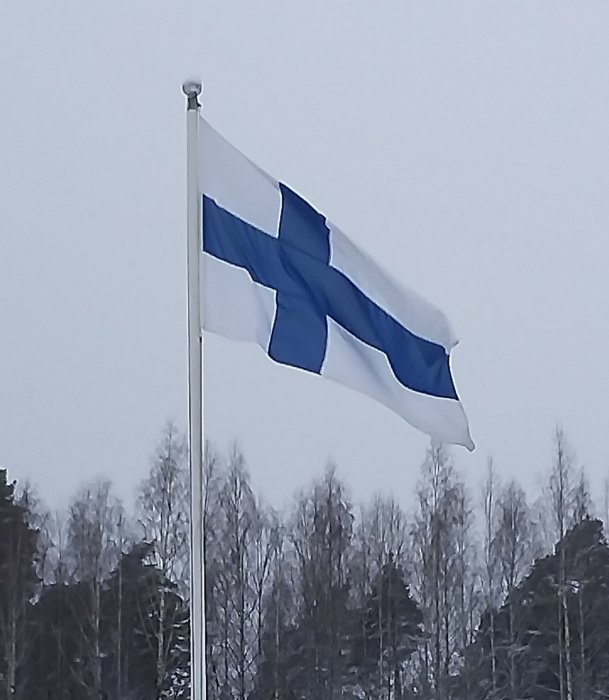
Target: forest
{"type": "Point", "coordinates": [458, 591]}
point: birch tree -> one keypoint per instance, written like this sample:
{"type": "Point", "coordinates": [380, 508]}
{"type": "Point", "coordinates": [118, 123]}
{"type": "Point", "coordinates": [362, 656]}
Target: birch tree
{"type": "Point", "coordinates": [321, 535]}
{"type": "Point", "coordinates": [380, 548]}
{"type": "Point", "coordinates": [514, 539]}
{"type": "Point", "coordinates": [491, 584]}
{"type": "Point", "coordinates": [162, 516]}
{"type": "Point", "coordinates": [435, 543]}
{"type": "Point", "coordinates": [93, 522]}
{"type": "Point", "coordinates": [560, 493]}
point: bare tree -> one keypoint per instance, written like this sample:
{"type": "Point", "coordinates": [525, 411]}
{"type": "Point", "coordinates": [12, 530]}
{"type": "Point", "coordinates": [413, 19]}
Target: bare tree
{"type": "Point", "coordinates": [230, 563]}
{"type": "Point", "coordinates": [491, 584]}
{"type": "Point", "coordinates": [465, 579]}
{"type": "Point", "coordinates": [273, 677]}
{"type": "Point", "coordinates": [561, 500]}
{"type": "Point", "coordinates": [381, 537]}
{"type": "Point", "coordinates": [93, 522]}
{"type": "Point", "coordinates": [513, 538]}
{"type": "Point", "coordinates": [582, 501]}
{"type": "Point", "coordinates": [437, 571]}
{"type": "Point", "coordinates": [388, 529]}
{"type": "Point", "coordinates": [265, 541]}
{"type": "Point", "coordinates": [321, 533]}
{"type": "Point", "coordinates": [162, 508]}
{"type": "Point", "coordinates": [214, 554]}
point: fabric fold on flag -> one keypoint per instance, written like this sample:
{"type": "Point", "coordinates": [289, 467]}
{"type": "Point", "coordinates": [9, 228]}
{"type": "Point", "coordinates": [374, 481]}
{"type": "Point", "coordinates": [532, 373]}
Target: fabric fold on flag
{"type": "Point", "coordinates": [277, 273]}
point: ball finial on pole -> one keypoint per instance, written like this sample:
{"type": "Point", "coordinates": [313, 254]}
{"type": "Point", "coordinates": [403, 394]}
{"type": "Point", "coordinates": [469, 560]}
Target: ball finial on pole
{"type": "Point", "coordinates": [192, 89]}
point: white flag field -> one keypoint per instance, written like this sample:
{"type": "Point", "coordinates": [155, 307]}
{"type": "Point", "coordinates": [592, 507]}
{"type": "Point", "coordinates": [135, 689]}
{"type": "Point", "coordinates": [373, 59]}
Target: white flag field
{"type": "Point", "coordinates": [277, 273]}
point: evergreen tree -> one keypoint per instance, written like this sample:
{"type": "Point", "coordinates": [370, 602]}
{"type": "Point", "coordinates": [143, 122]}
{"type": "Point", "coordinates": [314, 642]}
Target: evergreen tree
{"type": "Point", "coordinates": [529, 639]}
{"type": "Point", "coordinates": [133, 648]}
{"type": "Point", "coordinates": [55, 670]}
{"type": "Point", "coordinates": [392, 628]}
{"type": "Point", "coordinates": [18, 581]}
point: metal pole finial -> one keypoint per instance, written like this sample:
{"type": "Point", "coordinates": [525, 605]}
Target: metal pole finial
{"type": "Point", "coordinates": [192, 89]}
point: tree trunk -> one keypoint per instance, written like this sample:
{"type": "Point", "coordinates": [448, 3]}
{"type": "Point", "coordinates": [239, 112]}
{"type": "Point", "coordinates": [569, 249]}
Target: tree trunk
{"type": "Point", "coordinates": [11, 656]}
{"type": "Point", "coordinates": [160, 646]}
{"type": "Point", "coordinates": [493, 657]}
{"type": "Point", "coordinates": [583, 693]}
{"type": "Point", "coordinates": [276, 664]}
{"type": "Point", "coordinates": [512, 655]}
{"type": "Point", "coordinates": [119, 651]}
{"type": "Point", "coordinates": [561, 673]}
{"type": "Point", "coordinates": [567, 647]}
{"type": "Point", "coordinates": [97, 642]}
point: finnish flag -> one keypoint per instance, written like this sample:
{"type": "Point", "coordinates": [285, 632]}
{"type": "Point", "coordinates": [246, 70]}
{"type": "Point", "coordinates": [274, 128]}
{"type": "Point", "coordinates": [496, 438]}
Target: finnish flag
{"type": "Point", "coordinates": [277, 273]}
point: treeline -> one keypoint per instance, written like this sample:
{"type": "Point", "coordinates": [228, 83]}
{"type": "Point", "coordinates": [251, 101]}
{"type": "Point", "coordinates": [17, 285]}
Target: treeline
{"type": "Point", "coordinates": [478, 592]}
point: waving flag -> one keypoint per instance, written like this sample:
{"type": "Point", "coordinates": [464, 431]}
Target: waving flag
{"type": "Point", "coordinates": [277, 273]}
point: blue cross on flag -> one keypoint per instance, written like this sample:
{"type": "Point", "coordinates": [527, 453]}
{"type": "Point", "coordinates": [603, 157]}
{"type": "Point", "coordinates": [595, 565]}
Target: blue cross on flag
{"type": "Point", "coordinates": [276, 272]}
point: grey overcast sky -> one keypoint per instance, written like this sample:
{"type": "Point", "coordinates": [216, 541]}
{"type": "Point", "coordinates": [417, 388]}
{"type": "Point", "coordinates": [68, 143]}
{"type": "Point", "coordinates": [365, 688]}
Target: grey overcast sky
{"type": "Point", "coordinates": [465, 145]}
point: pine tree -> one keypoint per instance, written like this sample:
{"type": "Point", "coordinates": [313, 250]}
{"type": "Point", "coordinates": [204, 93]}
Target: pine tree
{"type": "Point", "coordinates": [529, 634]}
{"type": "Point", "coordinates": [392, 624]}
{"type": "Point", "coordinates": [134, 588]}
{"type": "Point", "coordinates": [18, 580]}
{"type": "Point", "coordinates": [55, 670]}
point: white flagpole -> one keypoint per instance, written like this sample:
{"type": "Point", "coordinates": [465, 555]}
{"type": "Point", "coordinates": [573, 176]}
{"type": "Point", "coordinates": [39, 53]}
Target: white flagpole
{"type": "Point", "coordinates": [192, 90]}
